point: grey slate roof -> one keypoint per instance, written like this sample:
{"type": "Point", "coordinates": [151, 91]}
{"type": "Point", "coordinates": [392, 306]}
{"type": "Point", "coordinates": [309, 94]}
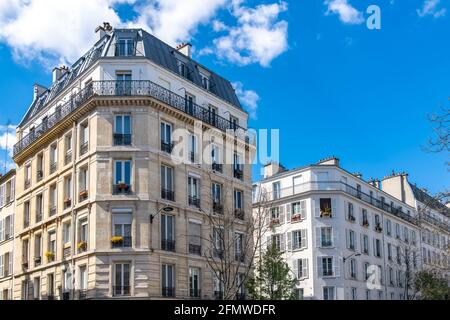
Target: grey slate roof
{"type": "Point", "coordinates": [429, 201]}
{"type": "Point", "coordinates": [153, 48]}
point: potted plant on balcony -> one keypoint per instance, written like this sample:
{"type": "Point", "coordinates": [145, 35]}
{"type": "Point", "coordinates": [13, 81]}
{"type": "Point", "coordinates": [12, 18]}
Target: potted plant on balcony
{"type": "Point", "coordinates": [295, 217]}
{"type": "Point", "coordinates": [122, 186]}
{"type": "Point", "coordinates": [378, 228]}
{"type": "Point", "coordinates": [50, 255]}
{"type": "Point", "coordinates": [82, 245]}
{"type": "Point", "coordinates": [83, 194]}
{"type": "Point", "coordinates": [116, 239]}
{"type": "Point", "coordinates": [351, 218]}
{"type": "Point", "coordinates": [67, 202]}
{"type": "Point", "coordinates": [365, 223]}
{"type": "Point", "coordinates": [325, 212]}
{"type": "Point", "coordinates": [274, 221]}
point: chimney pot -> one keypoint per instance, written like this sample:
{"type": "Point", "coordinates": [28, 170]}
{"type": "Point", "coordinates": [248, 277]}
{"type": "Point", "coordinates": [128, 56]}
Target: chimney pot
{"type": "Point", "coordinates": [185, 48]}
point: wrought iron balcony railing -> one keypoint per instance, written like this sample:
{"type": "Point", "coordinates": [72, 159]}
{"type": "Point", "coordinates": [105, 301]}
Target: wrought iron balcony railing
{"type": "Point", "coordinates": [122, 139]}
{"type": "Point", "coordinates": [129, 88]}
{"type": "Point", "coordinates": [168, 245]}
{"type": "Point", "coordinates": [217, 207]}
{"type": "Point", "coordinates": [195, 293]}
{"type": "Point", "coordinates": [217, 167]}
{"type": "Point", "coordinates": [195, 249]}
{"type": "Point", "coordinates": [168, 291]}
{"type": "Point", "coordinates": [121, 290]}
{"type": "Point", "coordinates": [166, 146]}
{"type": "Point", "coordinates": [194, 201]}
{"type": "Point", "coordinates": [168, 194]}
{"type": "Point", "coordinates": [125, 243]}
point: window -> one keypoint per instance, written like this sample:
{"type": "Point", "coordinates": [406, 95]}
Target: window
{"type": "Point", "coordinates": [365, 218]}
{"type": "Point", "coordinates": [377, 223]}
{"type": "Point", "coordinates": [66, 233]}
{"type": "Point", "coordinates": [377, 248]}
{"type": "Point", "coordinates": [351, 241]}
{"type": "Point", "coordinates": [234, 122]}
{"type": "Point", "coordinates": [50, 286]}
{"type": "Point", "coordinates": [123, 83]}
{"type": "Point", "coordinates": [9, 228]}
{"type": "Point", "coordinates": [388, 227]}
{"type": "Point", "coordinates": [216, 193]}
{"type": "Point", "coordinates": [238, 204]}
{"type": "Point", "coordinates": [399, 255]}
{"type": "Point", "coordinates": [167, 232]}
{"type": "Point", "coordinates": [82, 284]}
{"type": "Point", "coordinates": [121, 279]}
{"type": "Point", "coordinates": [299, 239]}
{"type": "Point", "coordinates": [278, 241]}
{"type": "Point", "coordinates": [366, 271]}
{"type": "Point", "coordinates": [40, 167]}
{"type": "Point", "coordinates": [328, 293]}
{"type": "Point", "coordinates": [68, 148]}
{"type": "Point", "coordinates": [218, 242]}
{"type": "Point", "coordinates": [168, 280]}
{"type": "Point", "coordinates": [122, 228]}
{"type": "Point", "coordinates": [83, 184]}
{"type": "Point", "coordinates": [365, 244]}
{"type": "Point", "coordinates": [53, 158]}
{"type": "Point", "coordinates": [326, 239]}
{"type": "Point", "coordinates": [397, 231]}
{"type": "Point", "coordinates": [354, 293]}
{"type": "Point", "coordinates": [122, 177]}
{"type": "Point", "coordinates": [194, 191]}
{"type": "Point", "coordinates": [182, 69]}
{"type": "Point", "coordinates": [406, 234]}
{"type": "Point", "coordinates": [237, 166]}
{"type": "Point", "coordinates": [239, 243]}
{"type": "Point", "coordinates": [189, 100]}
{"type": "Point", "coordinates": [414, 240]}
{"type": "Point", "coordinates": [299, 293]}
{"type": "Point", "coordinates": [389, 251]}
{"type": "Point", "coordinates": [25, 290]}
{"type": "Point", "coordinates": [122, 130]}
{"type": "Point", "coordinates": [358, 191]}
{"type": "Point", "coordinates": [194, 282]}
{"type": "Point", "coordinates": [192, 148]}
{"type": "Point", "coordinates": [353, 270]}
{"type": "Point", "coordinates": [82, 234]}
{"type": "Point", "coordinates": [26, 214]}
{"type": "Point", "coordinates": [124, 47]}
{"type": "Point", "coordinates": [27, 176]}
{"type": "Point", "coordinates": [205, 81]}
{"type": "Point", "coordinates": [325, 207]}
{"type": "Point", "coordinates": [212, 115]}
{"type": "Point", "coordinates": [84, 137]}
{"type": "Point", "coordinates": [368, 297]}
{"type": "Point", "coordinates": [67, 192]}
{"type": "Point", "coordinates": [215, 157]}
{"type": "Point", "coordinates": [52, 199]}
{"type": "Point", "coordinates": [218, 286]}
{"type": "Point", "coordinates": [36, 288]}
{"type": "Point", "coordinates": [39, 207]}
{"type": "Point", "coordinates": [350, 212]}
{"type": "Point", "coordinates": [167, 191]}
{"type": "Point", "coordinates": [299, 210]}
{"type": "Point", "coordinates": [51, 246]}
{"type": "Point", "coordinates": [327, 266]}
{"type": "Point", "coordinates": [166, 137]}
{"type": "Point", "coordinates": [391, 276]}
{"type": "Point", "coordinates": [276, 190]}
{"type": "Point", "coordinates": [301, 268]}
{"type": "Point", "coordinates": [195, 238]}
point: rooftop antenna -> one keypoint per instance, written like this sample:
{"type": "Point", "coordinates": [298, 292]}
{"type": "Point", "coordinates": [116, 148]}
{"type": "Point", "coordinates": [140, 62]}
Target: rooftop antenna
{"type": "Point", "coordinates": [8, 123]}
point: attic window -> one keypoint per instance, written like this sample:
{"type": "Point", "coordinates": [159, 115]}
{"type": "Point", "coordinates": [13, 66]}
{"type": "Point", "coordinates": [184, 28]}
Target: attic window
{"type": "Point", "coordinates": [182, 69]}
{"type": "Point", "coordinates": [124, 47]}
{"type": "Point", "coordinates": [205, 81]}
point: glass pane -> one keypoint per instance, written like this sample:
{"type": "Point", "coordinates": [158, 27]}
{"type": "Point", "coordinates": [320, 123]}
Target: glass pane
{"type": "Point", "coordinates": [163, 133]}
{"type": "Point", "coordinates": [127, 230]}
{"type": "Point", "coordinates": [163, 227]}
{"type": "Point", "coordinates": [169, 179]}
{"type": "Point", "coordinates": [126, 275]}
{"type": "Point", "coordinates": [170, 221]}
{"type": "Point", "coordinates": [168, 134]}
{"type": "Point", "coordinates": [119, 127]}
{"type": "Point", "coordinates": [163, 276]}
{"type": "Point", "coordinates": [127, 172]}
{"type": "Point", "coordinates": [163, 177]}
{"type": "Point", "coordinates": [117, 230]}
{"type": "Point", "coordinates": [118, 275]}
{"type": "Point", "coordinates": [118, 172]}
{"type": "Point", "coordinates": [126, 124]}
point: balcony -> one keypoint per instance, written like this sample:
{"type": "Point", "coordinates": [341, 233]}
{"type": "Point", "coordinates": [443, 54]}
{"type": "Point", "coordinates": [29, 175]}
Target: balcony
{"type": "Point", "coordinates": [166, 146]}
{"type": "Point", "coordinates": [52, 211]}
{"type": "Point", "coordinates": [326, 244]}
{"type": "Point", "coordinates": [83, 195]}
{"type": "Point", "coordinates": [217, 167]}
{"type": "Point", "coordinates": [134, 88]}
{"type": "Point", "coordinates": [168, 194]}
{"type": "Point", "coordinates": [217, 207]}
{"type": "Point", "coordinates": [67, 203]}
{"type": "Point", "coordinates": [67, 252]}
{"type": "Point", "coordinates": [84, 148]}
{"type": "Point", "coordinates": [121, 242]}
{"type": "Point", "coordinates": [378, 228]}
{"type": "Point", "coordinates": [351, 218]}
{"type": "Point", "coordinates": [195, 249]}
{"type": "Point", "coordinates": [194, 201]}
{"type": "Point", "coordinates": [121, 188]}
{"type": "Point", "coordinates": [37, 261]}
{"type": "Point", "coordinates": [168, 245]}
{"type": "Point", "coordinates": [53, 167]}
{"type": "Point", "coordinates": [68, 157]}
{"type": "Point", "coordinates": [195, 293]}
{"type": "Point", "coordinates": [82, 246]}
{"type": "Point", "coordinates": [168, 291]}
{"type": "Point", "coordinates": [122, 139]}
{"type": "Point", "coordinates": [121, 291]}
{"type": "Point", "coordinates": [239, 213]}
{"type": "Point", "coordinates": [238, 174]}
{"type": "Point", "coordinates": [24, 263]}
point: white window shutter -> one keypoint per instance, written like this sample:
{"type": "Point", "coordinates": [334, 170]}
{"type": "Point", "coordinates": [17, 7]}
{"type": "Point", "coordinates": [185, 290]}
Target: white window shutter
{"type": "Point", "coordinates": [305, 268]}
{"type": "Point", "coordinates": [13, 189]}
{"type": "Point", "coordinates": [317, 208]}
{"type": "Point", "coordinates": [319, 267]}
{"type": "Point", "coordinates": [347, 239]}
{"type": "Point", "coordinates": [282, 242]}
{"type": "Point", "coordinates": [304, 238]}
{"type": "Point", "coordinates": [303, 209]}
{"type": "Point", "coordinates": [2, 231]}
{"type": "Point", "coordinates": [11, 226]}
{"type": "Point", "coordinates": [318, 237]}
{"type": "Point", "coordinates": [282, 215]}
{"type": "Point", "coordinates": [355, 241]}
{"type": "Point", "coordinates": [335, 237]}
{"type": "Point", "coordinates": [288, 211]}
{"type": "Point", "coordinates": [362, 241]}
{"type": "Point", "coordinates": [289, 241]}
{"type": "Point", "coordinates": [337, 269]}
{"type": "Point", "coordinates": [295, 268]}
{"type": "Point", "coordinates": [345, 209]}
{"type": "Point", "coordinates": [11, 262]}
{"type": "Point", "coordinates": [333, 207]}
{"type": "Point", "coordinates": [1, 266]}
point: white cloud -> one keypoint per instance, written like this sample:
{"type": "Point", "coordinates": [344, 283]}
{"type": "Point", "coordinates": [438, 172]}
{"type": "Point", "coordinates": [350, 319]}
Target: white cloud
{"type": "Point", "coordinates": [258, 36]}
{"type": "Point", "coordinates": [248, 98]}
{"type": "Point", "coordinates": [430, 8]}
{"type": "Point", "coordinates": [219, 26]}
{"type": "Point", "coordinates": [7, 138]}
{"type": "Point", "coordinates": [347, 13]}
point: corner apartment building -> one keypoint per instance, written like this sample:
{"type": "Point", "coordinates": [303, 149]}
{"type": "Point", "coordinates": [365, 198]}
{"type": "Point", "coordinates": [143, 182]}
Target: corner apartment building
{"type": "Point", "coordinates": [7, 209]}
{"type": "Point", "coordinates": [343, 238]}
{"type": "Point", "coordinates": [104, 207]}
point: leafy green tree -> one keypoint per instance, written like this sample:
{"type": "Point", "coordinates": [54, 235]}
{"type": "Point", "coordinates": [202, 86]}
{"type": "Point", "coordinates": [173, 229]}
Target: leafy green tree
{"type": "Point", "coordinates": [431, 285]}
{"type": "Point", "coordinates": [272, 279]}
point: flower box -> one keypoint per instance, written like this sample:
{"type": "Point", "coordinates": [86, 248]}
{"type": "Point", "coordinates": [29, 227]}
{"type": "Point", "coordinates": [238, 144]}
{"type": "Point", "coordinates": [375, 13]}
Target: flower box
{"type": "Point", "coordinates": [296, 217]}
{"type": "Point", "coordinates": [122, 186]}
{"type": "Point", "coordinates": [116, 239]}
{"type": "Point", "coordinates": [274, 221]}
{"type": "Point", "coordinates": [83, 194]}
{"type": "Point", "coordinates": [325, 212]}
{"type": "Point", "coordinates": [365, 224]}
{"type": "Point", "coordinates": [50, 255]}
{"type": "Point", "coordinates": [67, 201]}
{"type": "Point", "coordinates": [82, 245]}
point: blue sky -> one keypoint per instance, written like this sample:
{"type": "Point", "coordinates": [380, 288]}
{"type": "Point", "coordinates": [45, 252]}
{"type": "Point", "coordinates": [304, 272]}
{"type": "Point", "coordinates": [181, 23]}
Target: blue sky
{"type": "Point", "coordinates": [310, 68]}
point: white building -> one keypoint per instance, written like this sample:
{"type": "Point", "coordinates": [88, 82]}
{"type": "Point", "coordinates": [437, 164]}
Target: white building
{"type": "Point", "coordinates": [343, 237]}
{"type": "Point", "coordinates": [7, 207]}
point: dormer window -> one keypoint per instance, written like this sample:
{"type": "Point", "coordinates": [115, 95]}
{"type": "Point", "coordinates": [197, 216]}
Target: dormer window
{"type": "Point", "coordinates": [182, 69]}
{"type": "Point", "coordinates": [205, 81]}
{"type": "Point", "coordinates": [124, 47]}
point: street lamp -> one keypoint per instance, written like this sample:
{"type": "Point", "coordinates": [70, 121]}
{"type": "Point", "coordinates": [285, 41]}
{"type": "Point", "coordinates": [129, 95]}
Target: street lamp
{"type": "Point", "coordinates": [165, 209]}
{"type": "Point", "coordinates": [356, 254]}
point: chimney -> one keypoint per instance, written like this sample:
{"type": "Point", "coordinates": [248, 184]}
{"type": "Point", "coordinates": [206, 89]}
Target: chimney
{"type": "Point", "coordinates": [103, 30]}
{"type": "Point", "coordinates": [358, 175]}
{"type": "Point", "coordinates": [272, 168]}
{"type": "Point", "coordinates": [56, 74]}
{"type": "Point", "coordinates": [333, 161]}
{"type": "Point", "coordinates": [375, 183]}
{"type": "Point", "coordinates": [38, 90]}
{"type": "Point", "coordinates": [185, 48]}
